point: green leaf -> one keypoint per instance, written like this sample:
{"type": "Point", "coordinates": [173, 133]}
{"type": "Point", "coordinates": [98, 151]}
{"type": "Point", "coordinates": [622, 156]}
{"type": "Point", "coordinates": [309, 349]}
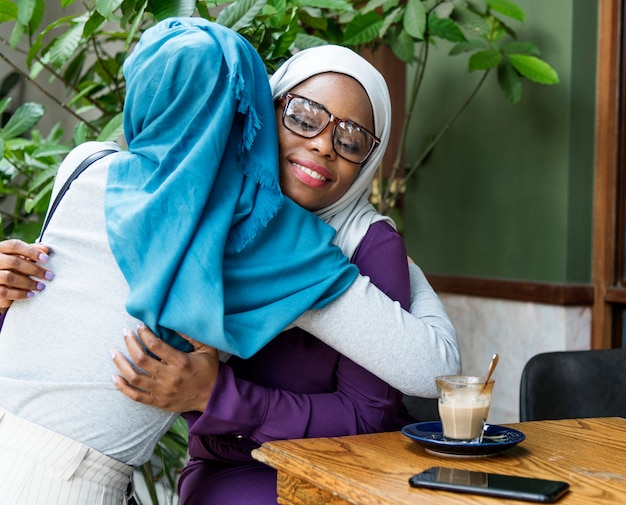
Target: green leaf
{"type": "Point", "coordinates": [304, 41]}
{"type": "Point", "coordinates": [37, 16]}
{"type": "Point", "coordinates": [445, 29]}
{"type": "Point", "coordinates": [24, 118]}
{"type": "Point", "coordinates": [42, 177]}
{"type": "Point", "coordinates": [95, 21]}
{"type": "Point", "coordinates": [362, 29]}
{"type": "Point", "coordinates": [4, 103]}
{"type": "Point", "coordinates": [509, 81]}
{"type": "Point", "coordinates": [8, 11]}
{"type": "Point", "coordinates": [415, 19]}
{"type": "Point", "coordinates": [286, 39]}
{"type": "Point", "coordinates": [86, 90]}
{"type": "Point", "coordinates": [64, 47]}
{"type": "Point", "coordinates": [336, 5]}
{"type": "Point", "coordinates": [113, 130]}
{"type": "Point", "coordinates": [443, 10]}
{"type": "Point", "coordinates": [312, 18]}
{"type": "Point", "coordinates": [80, 133]}
{"type": "Point", "coordinates": [484, 60]}
{"type": "Point", "coordinates": [41, 196]}
{"type": "Point", "coordinates": [390, 19]}
{"type": "Point", "coordinates": [16, 35]}
{"type": "Point", "coordinates": [469, 46]}
{"type": "Point", "coordinates": [25, 9]}
{"type": "Point", "coordinates": [133, 29]}
{"type": "Point", "coordinates": [507, 8]}
{"type": "Point", "coordinates": [46, 150]}
{"type": "Point", "coordinates": [18, 144]}
{"type": "Point", "coordinates": [470, 22]}
{"type": "Point", "coordinates": [404, 47]}
{"type": "Point", "coordinates": [108, 7]}
{"type": "Point", "coordinates": [240, 14]}
{"type": "Point", "coordinates": [164, 9]}
{"type": "Point", "coordinates": [519, 47]}
{"type": "Point", "coordinates": [534, 69]}
{"type": "Point", "coordinates": [372, 5]}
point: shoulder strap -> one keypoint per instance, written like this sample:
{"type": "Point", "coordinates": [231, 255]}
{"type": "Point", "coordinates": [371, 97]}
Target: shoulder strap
{"type": "Point", "coordinates": [79, 169]}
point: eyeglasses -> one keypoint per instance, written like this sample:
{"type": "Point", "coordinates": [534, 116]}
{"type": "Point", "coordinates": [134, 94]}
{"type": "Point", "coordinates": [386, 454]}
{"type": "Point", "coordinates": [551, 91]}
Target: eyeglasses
{"type": "Point", "coordinates": [308, 119]}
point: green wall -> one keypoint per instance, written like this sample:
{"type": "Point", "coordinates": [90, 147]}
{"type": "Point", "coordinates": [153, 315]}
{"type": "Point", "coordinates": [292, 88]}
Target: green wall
{"type": "Point", "coordinates": [508, 191]}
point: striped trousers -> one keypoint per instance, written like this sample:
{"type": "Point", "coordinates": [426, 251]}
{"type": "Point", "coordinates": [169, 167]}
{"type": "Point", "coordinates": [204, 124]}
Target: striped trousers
{"type": "Point", "coordinates": [41, 467]}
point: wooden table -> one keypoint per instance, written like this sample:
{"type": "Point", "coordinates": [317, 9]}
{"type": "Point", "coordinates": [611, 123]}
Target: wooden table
{"type": "Point", "coordinates": [590, 454]}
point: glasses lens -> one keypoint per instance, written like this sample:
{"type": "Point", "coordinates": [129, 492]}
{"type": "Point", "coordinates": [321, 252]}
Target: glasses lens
{"type": "Point", "coordinates": [307, 118]}
{"type": "Point", "coordinates": [304, 117]}
{"type": "Point", "coordinates": [352, 142]}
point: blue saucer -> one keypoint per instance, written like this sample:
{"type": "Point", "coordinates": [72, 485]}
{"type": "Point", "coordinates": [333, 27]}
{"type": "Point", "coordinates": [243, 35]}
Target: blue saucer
{"type": "Point", "coordinates": [495, 440]}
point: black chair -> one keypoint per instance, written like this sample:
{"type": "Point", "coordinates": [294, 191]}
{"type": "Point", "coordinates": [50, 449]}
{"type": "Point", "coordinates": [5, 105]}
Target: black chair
{"type": "Point", "coordinates": [422, 409]}
{"type": "Point", "coordinates": [571, 384]}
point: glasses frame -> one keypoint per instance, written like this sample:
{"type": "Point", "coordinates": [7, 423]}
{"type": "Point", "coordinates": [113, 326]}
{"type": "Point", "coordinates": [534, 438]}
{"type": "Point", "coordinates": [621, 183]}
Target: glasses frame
{"type": "Point", "coordinates": [286, 99]}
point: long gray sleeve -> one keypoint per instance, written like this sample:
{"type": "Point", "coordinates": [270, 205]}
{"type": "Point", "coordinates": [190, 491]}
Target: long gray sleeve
{"type": "Point", "coordinates": [407, 350]}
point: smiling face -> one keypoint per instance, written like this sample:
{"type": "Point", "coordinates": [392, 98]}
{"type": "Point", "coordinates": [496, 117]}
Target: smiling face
{"type": "Point", "coordinates": [311, 172]}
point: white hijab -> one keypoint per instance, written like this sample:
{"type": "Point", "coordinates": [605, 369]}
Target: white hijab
{"type": "Point", "coordinates": [352, 214]}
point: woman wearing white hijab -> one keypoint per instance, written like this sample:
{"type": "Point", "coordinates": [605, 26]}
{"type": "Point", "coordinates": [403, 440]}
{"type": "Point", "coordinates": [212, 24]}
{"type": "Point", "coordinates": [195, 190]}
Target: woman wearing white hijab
{"type": "Point", "coordinates": [353, 213]}
{"type": "Point", "coordinates": [297, 386]}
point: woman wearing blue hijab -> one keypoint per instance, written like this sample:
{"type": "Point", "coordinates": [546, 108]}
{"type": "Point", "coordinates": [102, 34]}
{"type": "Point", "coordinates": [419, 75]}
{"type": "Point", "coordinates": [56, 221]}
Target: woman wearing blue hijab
{"type": "Point", "coordinates": [188, 232]}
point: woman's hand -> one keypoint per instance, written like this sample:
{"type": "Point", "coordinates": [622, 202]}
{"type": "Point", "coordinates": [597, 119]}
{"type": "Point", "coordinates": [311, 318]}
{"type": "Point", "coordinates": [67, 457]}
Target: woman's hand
{"type": "Point", "coordinates": [20, 273]}
{"type": "Point", "coordinates": [178, 382]}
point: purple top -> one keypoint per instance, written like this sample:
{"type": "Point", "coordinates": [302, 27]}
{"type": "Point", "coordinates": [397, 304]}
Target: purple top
{"type": "Point", "coordinates": [297, 386]}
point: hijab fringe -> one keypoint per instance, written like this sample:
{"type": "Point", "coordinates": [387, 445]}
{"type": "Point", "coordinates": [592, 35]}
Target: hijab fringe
{"type": "Point", "coordinates": [266, 207]}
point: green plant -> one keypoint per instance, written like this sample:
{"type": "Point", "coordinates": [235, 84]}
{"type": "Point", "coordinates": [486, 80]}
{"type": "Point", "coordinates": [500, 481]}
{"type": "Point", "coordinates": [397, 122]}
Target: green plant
{"type": "Point", "coordinates": [85, 49]}
{"type": "Point", "coordinates": [166, 463]}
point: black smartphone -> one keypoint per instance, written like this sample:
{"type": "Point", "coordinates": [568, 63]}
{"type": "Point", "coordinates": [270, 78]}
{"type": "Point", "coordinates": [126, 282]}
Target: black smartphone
{"type": "Point", "coordinates": [490, 484]}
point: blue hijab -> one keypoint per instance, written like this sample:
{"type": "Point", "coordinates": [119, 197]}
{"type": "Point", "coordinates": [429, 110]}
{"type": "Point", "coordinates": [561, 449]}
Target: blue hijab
{"type": "Point", "coordinates": [196, 221]}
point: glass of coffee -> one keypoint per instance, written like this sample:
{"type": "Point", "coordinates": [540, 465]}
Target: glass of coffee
{"type": "Point", "coordinates": [464, 402]}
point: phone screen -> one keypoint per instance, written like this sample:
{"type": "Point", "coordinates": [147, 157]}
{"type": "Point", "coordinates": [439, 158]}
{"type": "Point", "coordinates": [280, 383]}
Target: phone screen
{"type": "Point", "coordinates": [490, 484]}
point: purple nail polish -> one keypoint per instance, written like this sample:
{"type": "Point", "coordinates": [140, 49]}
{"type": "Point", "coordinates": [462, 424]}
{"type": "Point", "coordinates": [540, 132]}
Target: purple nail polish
{"type": "Point", "coordinates": [49, 275]}
{"type": "Point", "coordinates": [41, 286]}
{"type": "Point", "coordinates": [30, 294]}
{"type": "Point", "coordinates": [43, 257]}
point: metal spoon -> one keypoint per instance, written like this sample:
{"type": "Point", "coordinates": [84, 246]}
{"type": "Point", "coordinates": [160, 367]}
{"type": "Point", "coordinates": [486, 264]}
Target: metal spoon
{"type": "Point", "coordinates": [492, 367]}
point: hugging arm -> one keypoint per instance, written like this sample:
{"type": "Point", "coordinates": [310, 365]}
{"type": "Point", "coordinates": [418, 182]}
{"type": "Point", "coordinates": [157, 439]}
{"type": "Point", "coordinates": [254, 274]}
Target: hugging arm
{"type": "Point", "coordinates": [406, 350]}
{"type": "Point", "coordinates": [21, 271]}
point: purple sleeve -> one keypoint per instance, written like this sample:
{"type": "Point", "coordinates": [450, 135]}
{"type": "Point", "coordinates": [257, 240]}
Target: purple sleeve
{"type": "Point", "coordinates": [358, 402]}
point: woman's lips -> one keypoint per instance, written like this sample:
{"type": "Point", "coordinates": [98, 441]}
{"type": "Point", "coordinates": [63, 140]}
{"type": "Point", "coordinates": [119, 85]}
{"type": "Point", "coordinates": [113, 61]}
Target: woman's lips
{"type": "Point", "coordinates": [311, 174]}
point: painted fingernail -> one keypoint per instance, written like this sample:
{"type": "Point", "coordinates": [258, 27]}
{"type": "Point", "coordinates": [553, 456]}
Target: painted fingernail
{"type": "Point", "coordinates": [30, 294]}
{"type": "Point", "coordinates": [41, 286]}
{"type": "Point", "coordinates": [43, 257]}
{"type": "Point", "coordinates": [49, 275]}
{"type": "Point", "coordinates": [114, 379]}
{"type": "Point", "coordinates": [113, 354]}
